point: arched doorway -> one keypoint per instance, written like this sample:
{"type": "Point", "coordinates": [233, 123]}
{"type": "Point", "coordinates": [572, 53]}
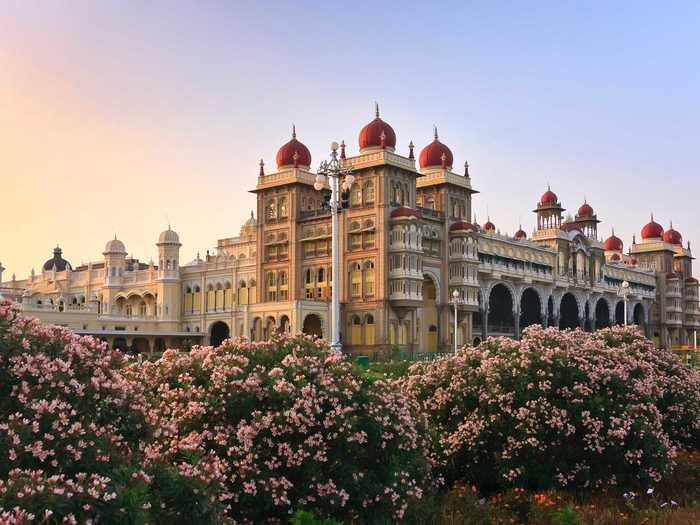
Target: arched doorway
{"type": "Point", "coordinates": [256, 330]}
{"type": "Point", "coordinates": [270, 328]}
{"type": "Point", "coordinates": [139, 345]}
{"type": "Point", "coordinates": [312, 325]}
{"type": "Point", "coordinates": [620, 313]}
{"type": "Point", "coordinates": [429, 315]}
{"type": "Point", "coordinates": [285, 325]}
{"type": "Point", "coordinates": [355, 330]}
{"type": "Point", "coordinates": [218, 333]}
{"type": "Point", "coordinates": [638, 314]}
{"type": "Point", "coordinates": [602, 314]}
{"type": "Point", "coordinates": [119, 343]}
{"type": "Point", "coordinates": [500, 319]}
{"type": "Point", "coordinates": [530, 308]}
{"type": "Point", "coordinates": [587, 326]}
{"type": "Point", "coordinates": [568, 312]}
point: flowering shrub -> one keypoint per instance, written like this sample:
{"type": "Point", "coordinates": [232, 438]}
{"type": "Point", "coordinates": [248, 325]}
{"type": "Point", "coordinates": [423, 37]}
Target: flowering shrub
{"type": "Point", "coordinates": [565, 408]}
{"type": "Point", "coordinates": [72, 431]}
{"type": "Point", "coordinates": [275, 427]}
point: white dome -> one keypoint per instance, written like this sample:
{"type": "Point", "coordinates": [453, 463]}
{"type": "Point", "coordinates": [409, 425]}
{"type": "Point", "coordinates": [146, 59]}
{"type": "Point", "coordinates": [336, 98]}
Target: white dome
{"type": "Point", "coordinates": [115, 246]}
{"type": "Point", "coordinates": [168, 237]}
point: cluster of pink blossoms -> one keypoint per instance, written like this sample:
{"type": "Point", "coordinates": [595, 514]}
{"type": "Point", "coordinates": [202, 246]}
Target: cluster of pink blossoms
{"type": "Point", "coordinates": [278, 426]}
{"type": "Point", "coordinates": [566, 408]}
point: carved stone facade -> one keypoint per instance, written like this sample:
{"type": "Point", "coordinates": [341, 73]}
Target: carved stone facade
{"type": "Point", "coordinates": [407, 243]}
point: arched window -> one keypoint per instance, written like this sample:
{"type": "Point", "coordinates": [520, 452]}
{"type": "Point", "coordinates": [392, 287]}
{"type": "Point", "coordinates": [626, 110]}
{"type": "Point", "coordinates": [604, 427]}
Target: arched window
{"type": "Point", "coordinates": [188, 300]}
{"type": "Point", "coordinates": [369, 278]}
{"type": "Point", "coordinates": [430, 202]}
{"type": "Point", "coordinates": [242, 292]}
{"type": "Point", "coordinates": [252, 291]}
{"type": "Point", "coordinates": [369, 329]}
{"type": "Point", "coordinates": [283, 207]}
{"type": "Point", "coordinates": [321, 275]}
{"type": "Point", "coordinates": [228, 295]}
{"type": "Point", "coordinates": [142, 309]}
{"type": "Point", "coordinates": [211, 298]}
{"type": "Point", "coordinates": [396, 193]}
{"type": "Point", "coordinates": [355, 330]}
{"type": "Point", "coordinates": [356, 195]}
{"type": "Point", "coordinates": [355, 280]}
{"type": "Point", "coordinates": [368, 192]}
{"type": "Point", "coordinates": [271, 210]}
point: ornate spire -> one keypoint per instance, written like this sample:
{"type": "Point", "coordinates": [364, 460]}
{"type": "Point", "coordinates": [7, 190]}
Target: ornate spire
{"type": "Point", "coordinates": [376, 109]}
{"type": "Point", "coordinates": [410, 150]}
{"type": "Point", "coordinates": [262, 168]}
{"type": "Point", "coordinates": [382, 139]}
{"type": "Point", "coordinates": [342, 149]}
{"type": "Point", "coordinates": [443, 160]}
{"type": "Point", "coordinates": [294, 131]}
{"type": "Point", "coordinates": [296, 158]}
{"type": "Point", "coordinates": [435, 133]}
{"type": "Point", "coordinates": [466, 168]}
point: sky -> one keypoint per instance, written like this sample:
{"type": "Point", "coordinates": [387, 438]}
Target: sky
{"type": "Point", "coordinates": [119, 118]}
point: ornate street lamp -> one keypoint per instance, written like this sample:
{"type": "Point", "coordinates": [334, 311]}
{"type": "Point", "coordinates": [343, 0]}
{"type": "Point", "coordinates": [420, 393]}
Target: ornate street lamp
{"type": "Point", "coordinates": [331, 172]}
{"type": "Point", "coordinates": [455, 300]}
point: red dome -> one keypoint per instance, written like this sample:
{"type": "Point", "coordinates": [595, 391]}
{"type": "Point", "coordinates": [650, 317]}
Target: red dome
{"type": "Point", "coordinates": [548, 197]}
{"type": "Point", "coordinates": [520, 234]}
{"type": "Point", "coordinates": [462, 226]}
{"type": "Point", "coordinates": [634, 261]}
{"type": "Point", "coordinates": [615, 257]}
{"type": "Point", "coordinates": [613, 243]}
{"type": "Point", "coordinates": [371, 134]}
{"type": "Point", "coordinates": [432, 154]}
{"type": "Point", "coordinates": [672, 275]}
{"type": "Point", "coordinates": [673, 236]}
{"type": "Point", "coordinates": [489, 226]}
{"type": "Point", "coordinates": [585, 210]}
{"type": "Point", "coordinates": [285, 155]}
{"type": "Point", "coordinates": [691, 280]}
{"type": "Point", "coordinates": [652, 230]}
{"type": "Point", "coordinates": [404, 211]}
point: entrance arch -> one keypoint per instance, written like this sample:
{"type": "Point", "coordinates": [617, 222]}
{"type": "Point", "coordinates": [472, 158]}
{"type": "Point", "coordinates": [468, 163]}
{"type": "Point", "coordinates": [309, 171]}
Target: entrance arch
{"type": "Point", "coordinates": [218, 333]}
{"type": "Point", "coordinates": [530, 308]}
{"type": "Point", "coordinates": [285, 326]}
{"type": "Point", "coordinates": [602, 314]}
{"type": "Point", "coordinates": [139, 345]}
{"type": "Point", "coordinates": [270, 328]}
{"type": "Point", "coordinates": [568, 312]}
{"type": "Point", "coordinates": [312, 325]}
{"type": "Point", "coordinates": [500, 318]}
{"type": "Point", "coordinates": [620, 313]}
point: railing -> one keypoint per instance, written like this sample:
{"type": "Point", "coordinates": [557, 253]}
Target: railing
{"type": "Point", "coordinates": [307, 214]}
{"type": "Point", "coordinates": [430, 212]}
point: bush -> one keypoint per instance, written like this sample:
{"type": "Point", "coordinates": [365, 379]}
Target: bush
{"type": "Point", "coordinates": [273, 427]}
{"type": "Point", "coordinates": [558, 408]}
{"type": "Point", "coordinates": [72, 431]}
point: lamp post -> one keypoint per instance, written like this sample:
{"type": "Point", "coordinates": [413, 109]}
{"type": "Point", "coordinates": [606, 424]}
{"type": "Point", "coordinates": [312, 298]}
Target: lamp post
{"type": "Point", "coordinates": [331, 172]}
{"type": "Point", "coordinates": [455, 299]}
{"type": "Point", "coordinates": [624, 292]}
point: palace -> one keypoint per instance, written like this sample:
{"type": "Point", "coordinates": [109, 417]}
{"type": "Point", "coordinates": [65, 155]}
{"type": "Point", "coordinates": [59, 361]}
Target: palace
{"type": "Point", "coordinates": [408, 239]}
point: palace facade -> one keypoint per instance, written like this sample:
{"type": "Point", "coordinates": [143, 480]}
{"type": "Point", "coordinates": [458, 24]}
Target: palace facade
{"type": "Point", "coordinates": [408, 239]}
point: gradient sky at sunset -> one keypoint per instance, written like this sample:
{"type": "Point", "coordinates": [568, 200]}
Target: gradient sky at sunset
{"type": "Point", "coordinates": [117, 117]}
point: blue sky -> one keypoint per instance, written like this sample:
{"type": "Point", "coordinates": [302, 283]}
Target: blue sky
{"type": "Point", "coordinates": [120, 116]}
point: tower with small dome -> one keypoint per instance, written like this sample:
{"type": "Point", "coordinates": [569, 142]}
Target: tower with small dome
{"type": "Point", "coordinates": [409, 242]}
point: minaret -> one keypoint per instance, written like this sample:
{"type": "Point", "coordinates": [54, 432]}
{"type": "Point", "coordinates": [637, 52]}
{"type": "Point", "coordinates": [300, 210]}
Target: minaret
{"type": "Point", "coordinates": [169, 288]}
{"type": "Point", "coordinates": [115, 262]}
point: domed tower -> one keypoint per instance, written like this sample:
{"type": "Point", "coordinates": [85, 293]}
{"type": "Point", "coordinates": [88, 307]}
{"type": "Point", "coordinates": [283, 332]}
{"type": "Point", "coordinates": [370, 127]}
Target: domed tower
{"type": "Point", "coordinates": [293, 154]}
{"type": "Point", "coordinates": [587, 220]}
{"type": "Point", "coordinates": [169, 291]}
{"type": "Point", "coordinates": [115, 262]}
{"type": "Point", "coordinates": [548, 211]}
{"type": "Point", "coordinates": [377, 135]}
